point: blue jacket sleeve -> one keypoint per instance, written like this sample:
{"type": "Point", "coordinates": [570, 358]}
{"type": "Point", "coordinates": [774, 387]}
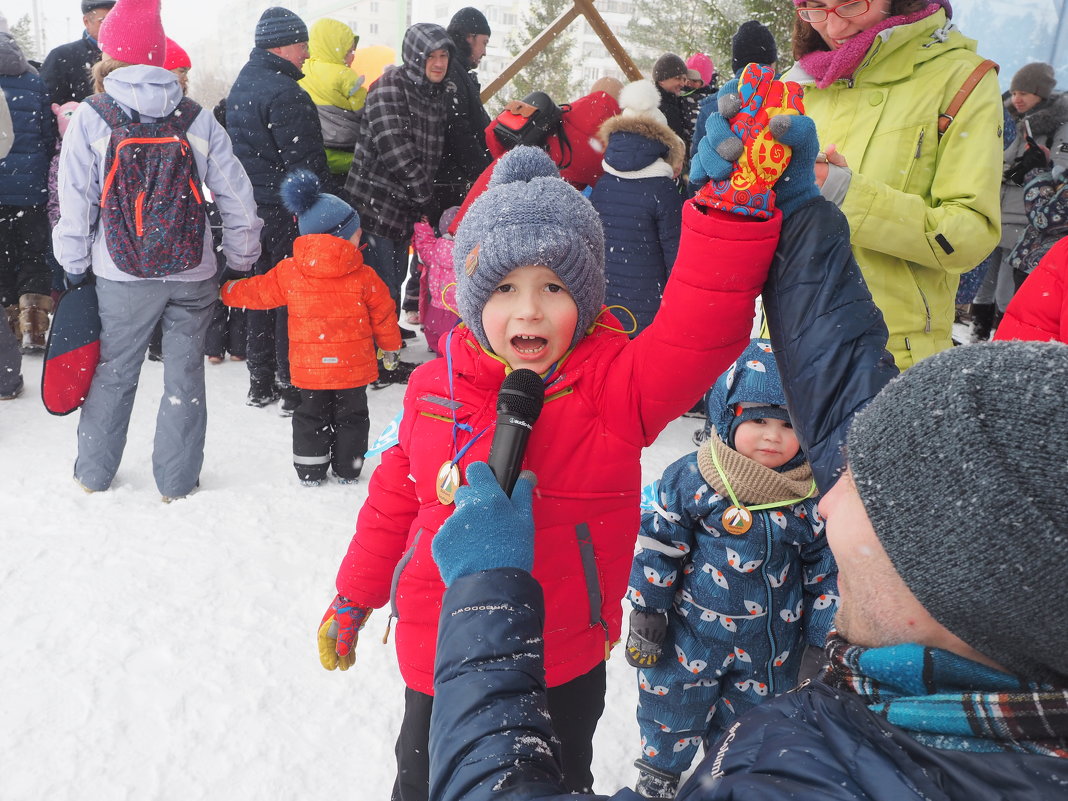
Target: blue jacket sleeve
{"type": "Point", "coordinates": [490, 735]}
{"type": "Point", "coordinates": [829, 337]}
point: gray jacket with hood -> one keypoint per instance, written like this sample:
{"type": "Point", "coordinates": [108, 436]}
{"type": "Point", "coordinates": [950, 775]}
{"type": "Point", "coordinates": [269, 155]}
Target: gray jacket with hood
{"type": "Point", "coordinates": [1048, 123]}
{"type": "Point", "coordinates": [154, 92]}
{"type": "Point", "coordinates": [400, 139]}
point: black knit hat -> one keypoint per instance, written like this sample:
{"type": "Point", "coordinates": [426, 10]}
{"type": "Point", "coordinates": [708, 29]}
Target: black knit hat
{"type": "Point", "coordinates": [752, 44]}
{"type": "Point", "coordinates": [89, 5]}
{"type": "Point", "coordinates": [1036, 78]}
{"type": "Point", "coordinates": [668, 66]}
{"type": "Point", "coordinates": [468, 20]}
{"type": "Point", "coordinates": [279, 27]}
{"type": "Point", "coordinates": [961, 465]}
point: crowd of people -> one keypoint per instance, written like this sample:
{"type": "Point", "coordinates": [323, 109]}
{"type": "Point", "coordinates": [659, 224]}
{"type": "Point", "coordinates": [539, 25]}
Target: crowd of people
{"type": "Point", "coordinates": [814, 599]}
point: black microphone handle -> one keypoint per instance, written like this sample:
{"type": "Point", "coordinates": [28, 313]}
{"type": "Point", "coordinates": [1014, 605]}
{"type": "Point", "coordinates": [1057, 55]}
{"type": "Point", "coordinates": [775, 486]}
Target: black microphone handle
{"type": "Point", "coordinates": [507, 449]}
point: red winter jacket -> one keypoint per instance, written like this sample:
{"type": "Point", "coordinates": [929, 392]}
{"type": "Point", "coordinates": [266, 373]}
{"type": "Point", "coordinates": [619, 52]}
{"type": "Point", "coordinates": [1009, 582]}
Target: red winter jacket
{"type": "Point", "coordinates": [1039, 310]}
{"type": "Point", "coordinates": [339, 310]}
{"type": "Point", "coordinates": [610, 398]}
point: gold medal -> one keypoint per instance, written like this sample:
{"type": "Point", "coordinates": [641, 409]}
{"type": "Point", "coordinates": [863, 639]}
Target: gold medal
{"type": "Point", "coordinates": [737, 519]}
{"type": "Point", "coordinates": [447, 482]}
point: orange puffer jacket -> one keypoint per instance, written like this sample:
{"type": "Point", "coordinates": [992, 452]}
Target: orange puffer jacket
{"type": "Point", "coordinates": [339, 310]}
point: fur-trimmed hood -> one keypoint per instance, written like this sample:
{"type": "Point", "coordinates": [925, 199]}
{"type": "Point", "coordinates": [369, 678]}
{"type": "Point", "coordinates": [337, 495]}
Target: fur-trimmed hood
{"type": "Point", "coordinates": [620, 151]}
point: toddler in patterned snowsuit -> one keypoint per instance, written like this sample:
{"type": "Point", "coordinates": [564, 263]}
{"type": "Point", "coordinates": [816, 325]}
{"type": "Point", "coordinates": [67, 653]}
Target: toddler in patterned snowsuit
{"type": "Point", "coordinates": [733, 575]}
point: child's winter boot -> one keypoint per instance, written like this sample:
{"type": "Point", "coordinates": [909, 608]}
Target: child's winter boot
{"type": "Point", "coordinates": [655, 783]}
{"type": "Point", "coordinates": [33, 318]}
{"type": "Point", "coordinates": [982, 320]}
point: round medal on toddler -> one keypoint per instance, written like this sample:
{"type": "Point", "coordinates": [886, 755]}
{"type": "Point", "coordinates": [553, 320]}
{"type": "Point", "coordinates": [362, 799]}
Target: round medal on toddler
{"type": "Point", "coordinates": [737, 519]}
{"type": "Point", "coordinates": [447, 482]}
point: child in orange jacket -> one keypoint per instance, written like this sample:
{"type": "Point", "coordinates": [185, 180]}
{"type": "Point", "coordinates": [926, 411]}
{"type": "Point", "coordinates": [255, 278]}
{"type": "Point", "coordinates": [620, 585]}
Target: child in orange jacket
{"type": "Point", "coordinates": [340, 313]}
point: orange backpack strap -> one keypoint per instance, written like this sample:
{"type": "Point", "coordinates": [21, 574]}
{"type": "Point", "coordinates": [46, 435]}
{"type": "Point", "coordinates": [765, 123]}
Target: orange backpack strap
{"type": "Point", "coordinates": [946, 117]}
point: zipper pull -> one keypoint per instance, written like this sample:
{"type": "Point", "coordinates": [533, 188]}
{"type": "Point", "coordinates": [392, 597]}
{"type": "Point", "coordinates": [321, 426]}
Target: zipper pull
{"type": "Point", "coordinates": [389, 625]}
{"type": "Point", "coordinates": [919, 143]}
{"type": "Point", "coordinates": [607, 642]}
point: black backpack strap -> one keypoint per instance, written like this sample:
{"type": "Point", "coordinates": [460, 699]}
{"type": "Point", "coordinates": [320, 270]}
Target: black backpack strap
{"type": "Point", "coordinates": [184, 113]}
{"type": "Point", "coordinates": [109, 109]}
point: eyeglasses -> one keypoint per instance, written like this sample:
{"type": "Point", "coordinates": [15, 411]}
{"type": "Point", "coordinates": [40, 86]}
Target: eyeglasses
{"type": "Point", "coordinates": [854, 8]}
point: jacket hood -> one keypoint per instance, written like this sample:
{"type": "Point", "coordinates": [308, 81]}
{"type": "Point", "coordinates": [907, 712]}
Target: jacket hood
{"type": "Point", "coordinates": [419, 41]}
{"type": "Point", "coordinates": [1045, 118]}
{"type": "Point", "coordinates": [753, 380]}
{"type": "Point", "coordinates": [325, 256]}
{"type": "Point", "coordinates": [329, 41]}
{"type": "Point", "coordinates": [151, 91]}
{"type": "Point", "coordinates": [12, 60]}
{"type": "Point", "coordinates": [634, 142]}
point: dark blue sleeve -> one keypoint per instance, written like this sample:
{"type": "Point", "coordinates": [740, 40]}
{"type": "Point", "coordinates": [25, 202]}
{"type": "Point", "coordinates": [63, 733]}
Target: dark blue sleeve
{"type": "Point", "coordinates": [490, 735]}
{"type": "Point", "coordinates": [829, 337]}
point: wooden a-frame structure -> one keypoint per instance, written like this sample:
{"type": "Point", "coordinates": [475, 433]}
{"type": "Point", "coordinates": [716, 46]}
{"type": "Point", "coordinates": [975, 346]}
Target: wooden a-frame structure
{"type": "Point", "coordinates": [559, 25]}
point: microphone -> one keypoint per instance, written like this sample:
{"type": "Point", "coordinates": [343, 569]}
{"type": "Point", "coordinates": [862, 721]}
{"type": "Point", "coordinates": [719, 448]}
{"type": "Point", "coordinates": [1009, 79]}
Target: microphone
{"type": "Point", "coordinates": [518, 405]}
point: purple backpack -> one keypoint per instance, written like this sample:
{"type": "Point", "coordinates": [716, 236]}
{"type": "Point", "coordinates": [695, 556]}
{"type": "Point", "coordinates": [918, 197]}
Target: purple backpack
{"type": "Point", "coordinates": [151, 207]}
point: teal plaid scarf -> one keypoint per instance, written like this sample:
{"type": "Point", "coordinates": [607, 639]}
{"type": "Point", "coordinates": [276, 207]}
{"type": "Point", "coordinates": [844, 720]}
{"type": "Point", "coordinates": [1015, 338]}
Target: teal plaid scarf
{"type": "Point", "coordinates": [946, 701]}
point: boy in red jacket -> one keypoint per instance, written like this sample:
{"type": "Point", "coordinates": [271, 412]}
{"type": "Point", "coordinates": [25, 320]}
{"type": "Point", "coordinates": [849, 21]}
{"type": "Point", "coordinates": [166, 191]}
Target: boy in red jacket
{"type": "Point", "coordinates": [340, 313]}
{"type": "Point", "coordinates": [529, 261]}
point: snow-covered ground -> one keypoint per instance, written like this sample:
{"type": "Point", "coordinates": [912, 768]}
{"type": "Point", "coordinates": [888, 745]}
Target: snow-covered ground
{"type": "Point", "coordinates": [155, 651]}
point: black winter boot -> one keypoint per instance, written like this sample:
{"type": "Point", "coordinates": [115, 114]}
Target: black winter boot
{"type": "Point", "coordinates": [982, 320]}
{"type": "Point", "coordinates": [655, 783]}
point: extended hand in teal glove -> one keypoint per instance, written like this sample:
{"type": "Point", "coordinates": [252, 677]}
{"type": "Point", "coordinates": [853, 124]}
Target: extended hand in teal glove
{"type": "Point", "coordinates": [488, 529]}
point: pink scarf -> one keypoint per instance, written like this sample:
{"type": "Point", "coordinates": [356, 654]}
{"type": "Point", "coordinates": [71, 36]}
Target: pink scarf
{"type": "Point", "coordinates": [827, 66]}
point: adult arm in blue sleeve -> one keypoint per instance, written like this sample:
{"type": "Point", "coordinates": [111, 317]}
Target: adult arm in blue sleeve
{"type": "Point", "coordinates": [828, 335]}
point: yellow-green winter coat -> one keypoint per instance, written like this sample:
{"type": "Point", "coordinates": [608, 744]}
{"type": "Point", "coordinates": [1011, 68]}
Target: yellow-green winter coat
{"type": "Point", "coordinates": [921, 210]}
{"type": "Point", "coordinates": [337, 91]}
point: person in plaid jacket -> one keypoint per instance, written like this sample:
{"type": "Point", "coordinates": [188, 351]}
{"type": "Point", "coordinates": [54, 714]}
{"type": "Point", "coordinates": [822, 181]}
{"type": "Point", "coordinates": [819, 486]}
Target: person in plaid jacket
{"type": "Point", "coordinates": [398, 148]}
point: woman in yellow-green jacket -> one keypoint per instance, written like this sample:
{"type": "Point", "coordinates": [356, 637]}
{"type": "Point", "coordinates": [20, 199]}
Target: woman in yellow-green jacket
{"type": "Point", "coordinates": [922, 209]}
{"type": "Point", "coordinates": [337, 91]}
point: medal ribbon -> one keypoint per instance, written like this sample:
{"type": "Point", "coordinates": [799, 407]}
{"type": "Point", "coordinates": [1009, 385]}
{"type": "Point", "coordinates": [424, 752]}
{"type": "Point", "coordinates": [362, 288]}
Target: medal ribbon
{"type": "Point", "coordinates": [456, 424]}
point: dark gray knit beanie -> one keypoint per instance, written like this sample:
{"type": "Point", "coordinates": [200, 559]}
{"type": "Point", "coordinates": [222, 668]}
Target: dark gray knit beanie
{"type": "Point", "coordinates": [753, 43]}
{"type": "Point", "coordinates": [669, 66]}
{"type": "Point", "coordinates": [1036, 78]}
{"type": "Point", "coordinates": [279, 27]}
{"type": "Point", "coordinates": [469, 20]}
{"type": "Point", "coordinates": [962, 465]}
{"type": "Point", "coordinates": [529, 215]}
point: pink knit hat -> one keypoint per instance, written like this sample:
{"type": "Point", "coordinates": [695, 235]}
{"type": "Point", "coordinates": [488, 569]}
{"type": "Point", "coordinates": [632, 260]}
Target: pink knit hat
{"type": "Point", "coordinates": [133, 32]}
{"type": "Point", "coordinates": [703, 65]}
{"type": "Point", "coordinates": [176, 56]}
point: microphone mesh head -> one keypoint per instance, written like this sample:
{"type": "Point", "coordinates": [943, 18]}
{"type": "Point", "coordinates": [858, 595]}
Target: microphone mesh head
{"type": "Point", "coordinates": [522, 395]}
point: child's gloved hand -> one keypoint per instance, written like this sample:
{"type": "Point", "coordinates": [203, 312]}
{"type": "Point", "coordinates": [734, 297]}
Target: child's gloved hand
{"type": "Point", "coordinates": [647, 633]}
{"type": "Point", "coordinates": [739, 154]}
{"type": "Point", "coordinates": [390, 359]}
{"type": "Point", "coordinates": [488, 529]}
{"type": "Point", "coordinates": [339, 631]}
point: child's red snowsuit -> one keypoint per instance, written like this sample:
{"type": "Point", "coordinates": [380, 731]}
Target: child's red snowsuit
{"type": "Point", "coordinates": [339, 309]}
{"type": "Point", "coordinates": [610, 398]}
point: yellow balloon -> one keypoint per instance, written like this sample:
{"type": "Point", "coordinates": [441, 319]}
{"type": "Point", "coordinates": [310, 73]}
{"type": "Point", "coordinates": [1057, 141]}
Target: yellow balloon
{"type": "Point", "coordinates": [372, 61]}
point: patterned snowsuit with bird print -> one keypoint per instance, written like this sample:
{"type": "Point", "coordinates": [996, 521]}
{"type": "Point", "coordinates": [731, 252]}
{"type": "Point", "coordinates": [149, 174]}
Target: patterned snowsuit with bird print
{"type": "Point", "coordinates": [740, 607]}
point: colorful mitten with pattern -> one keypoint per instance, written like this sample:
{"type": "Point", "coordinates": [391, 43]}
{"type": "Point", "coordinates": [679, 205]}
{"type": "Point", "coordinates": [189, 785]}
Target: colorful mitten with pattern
{"type": "Point", "coordinates": [339, 631]}
{"type": "Point", "coordinates": [742, 159]}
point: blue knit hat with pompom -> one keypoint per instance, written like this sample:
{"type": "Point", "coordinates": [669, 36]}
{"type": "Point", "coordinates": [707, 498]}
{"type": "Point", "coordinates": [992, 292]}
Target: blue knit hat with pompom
{"type": "Point", "coordinates": [527, 216]}
{"type": "Point", "coordinates": [317, 212]}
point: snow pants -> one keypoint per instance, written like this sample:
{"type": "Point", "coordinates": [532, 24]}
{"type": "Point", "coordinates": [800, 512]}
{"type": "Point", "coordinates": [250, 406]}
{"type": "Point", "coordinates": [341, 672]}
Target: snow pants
{"type": "Point", "coordinates": [268, 330]}
{"type": "Point", "coordinates": [574, 708]}
{"type": "Point", "coordinates": [129, 310]}
{"type": "Point", "coordinates": [24, 249]}
{"type": "Point", "coordinates": [10, 360]}
{"type": "Point", "coordinates": [330, 429]}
